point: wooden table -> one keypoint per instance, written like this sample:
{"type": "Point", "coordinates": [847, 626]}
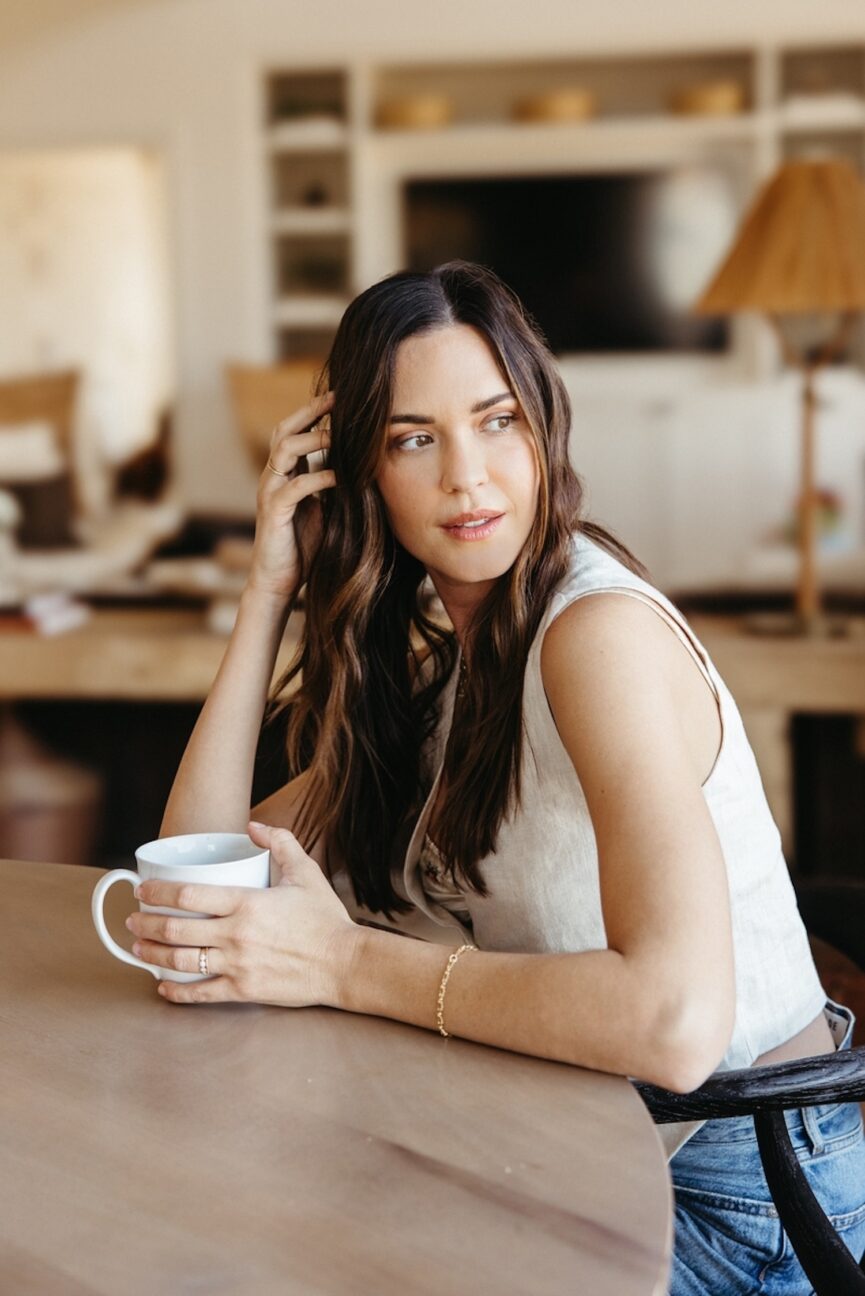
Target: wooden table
{"type": "Point", "coordinates": [773, 677]}
{"type": "Point", "coordinates": [247, 1150]}
{"type": "Point", "coordinates": [134, 654]}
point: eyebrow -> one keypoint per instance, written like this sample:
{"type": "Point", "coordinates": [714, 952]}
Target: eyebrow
{"type": "Point", "coordinates": [478, 408]}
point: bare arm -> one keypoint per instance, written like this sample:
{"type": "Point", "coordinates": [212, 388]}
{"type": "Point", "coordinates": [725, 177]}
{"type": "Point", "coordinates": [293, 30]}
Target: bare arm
{"type": "Point", "coordinates": [658, 1003]}
{"type": "Point", "coordinates": [213, 785]}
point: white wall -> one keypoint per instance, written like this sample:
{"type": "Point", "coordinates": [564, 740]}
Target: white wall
{"type": "Point", "coordinates": [183, 79]}
{"type": "Point", "coordinates": [84, 284]}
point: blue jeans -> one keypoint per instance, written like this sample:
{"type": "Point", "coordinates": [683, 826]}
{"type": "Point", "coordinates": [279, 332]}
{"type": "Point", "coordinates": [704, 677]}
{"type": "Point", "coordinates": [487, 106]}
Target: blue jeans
{"type": "Point", "coordinates": [728, 1240]}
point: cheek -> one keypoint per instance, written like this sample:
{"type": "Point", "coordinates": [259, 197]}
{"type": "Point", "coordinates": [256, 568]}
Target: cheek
{"type": "Point", "coordinates": [523, 472]}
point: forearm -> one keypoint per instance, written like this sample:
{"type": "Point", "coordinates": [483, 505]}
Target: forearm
{"type": "Point", "coordinates": [213, 785]}
{"type": "Point", "coordinates": [596, 1009]}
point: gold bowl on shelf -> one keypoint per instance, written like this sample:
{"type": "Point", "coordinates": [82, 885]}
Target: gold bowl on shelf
{"type": "Point", "coordinates": [708, 99]}
{"type": "Point", "coordinates": [566, 104]}
{"type": "Point", "coordinates": [415, 112]}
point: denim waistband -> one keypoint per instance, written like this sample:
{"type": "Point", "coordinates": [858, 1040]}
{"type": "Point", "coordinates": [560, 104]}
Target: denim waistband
{"type": "Point", "coordinates": [804, 1123]}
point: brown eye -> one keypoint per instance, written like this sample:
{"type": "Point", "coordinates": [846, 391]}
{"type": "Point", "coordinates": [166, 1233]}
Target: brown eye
{"type": "Point", "coordinates": [494, 424]}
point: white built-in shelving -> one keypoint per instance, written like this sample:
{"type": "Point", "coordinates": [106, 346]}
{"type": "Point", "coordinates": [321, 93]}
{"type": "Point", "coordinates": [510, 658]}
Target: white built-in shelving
{"type": "Point", "coordinates": [335, 175]}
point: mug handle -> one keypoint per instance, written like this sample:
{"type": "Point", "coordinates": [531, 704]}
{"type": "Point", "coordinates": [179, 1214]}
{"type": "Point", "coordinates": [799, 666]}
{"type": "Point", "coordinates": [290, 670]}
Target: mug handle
{"type": "Point", "coordinates": [117, 875]}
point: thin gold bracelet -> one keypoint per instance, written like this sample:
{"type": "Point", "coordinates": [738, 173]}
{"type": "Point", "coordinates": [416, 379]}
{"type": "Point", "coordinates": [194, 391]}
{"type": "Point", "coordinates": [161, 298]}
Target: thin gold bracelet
{"type": "Point", "coordinates": [440, 1010]}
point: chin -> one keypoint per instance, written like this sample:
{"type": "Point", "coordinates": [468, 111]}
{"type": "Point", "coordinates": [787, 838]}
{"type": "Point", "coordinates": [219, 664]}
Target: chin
{"type": "Point", "coordinates": [482, 569]}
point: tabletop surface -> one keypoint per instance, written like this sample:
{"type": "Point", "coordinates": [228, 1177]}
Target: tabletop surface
{"type": "Point", "coordinates": [244, 1150]}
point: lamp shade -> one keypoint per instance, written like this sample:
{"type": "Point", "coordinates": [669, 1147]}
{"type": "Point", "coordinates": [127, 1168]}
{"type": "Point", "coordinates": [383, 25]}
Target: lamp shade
{"type": "Point", "coordinates": [800, 247]}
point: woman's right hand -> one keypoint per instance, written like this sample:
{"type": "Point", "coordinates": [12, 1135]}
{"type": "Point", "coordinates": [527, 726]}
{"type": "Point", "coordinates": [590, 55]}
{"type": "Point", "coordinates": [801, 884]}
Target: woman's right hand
{"type": "Point", "coordinates": [288, 518]}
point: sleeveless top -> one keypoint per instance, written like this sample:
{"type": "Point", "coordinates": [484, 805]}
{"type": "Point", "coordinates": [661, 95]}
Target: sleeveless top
{"type": "Point", "coordinates": [543, 877]}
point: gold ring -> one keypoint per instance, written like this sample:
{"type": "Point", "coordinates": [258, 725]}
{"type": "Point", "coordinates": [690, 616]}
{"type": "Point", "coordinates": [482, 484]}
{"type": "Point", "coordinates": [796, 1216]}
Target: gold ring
{"type": "Point", "coordinates": [277, 471]}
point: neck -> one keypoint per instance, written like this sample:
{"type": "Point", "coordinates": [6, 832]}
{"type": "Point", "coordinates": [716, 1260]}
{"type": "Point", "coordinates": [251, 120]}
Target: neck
{"type": "Point", "coordinates": [461, 602]}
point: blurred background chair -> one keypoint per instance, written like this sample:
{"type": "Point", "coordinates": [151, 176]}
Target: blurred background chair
{"type": "Point", "coordinates": [834, 913]}
{"type": "Point", "coordinates": [37, 463]}
{"type": "Point", "coordinates": [263, 395]}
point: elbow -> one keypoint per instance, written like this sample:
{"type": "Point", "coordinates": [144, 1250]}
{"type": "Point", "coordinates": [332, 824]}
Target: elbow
{"type": "Point", "coordinates": [696, 1035]}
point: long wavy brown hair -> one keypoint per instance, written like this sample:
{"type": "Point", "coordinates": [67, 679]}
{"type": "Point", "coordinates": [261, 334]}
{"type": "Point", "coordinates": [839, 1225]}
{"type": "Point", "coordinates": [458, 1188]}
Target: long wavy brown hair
{"type": "Point", "coordinates": [359, 719]}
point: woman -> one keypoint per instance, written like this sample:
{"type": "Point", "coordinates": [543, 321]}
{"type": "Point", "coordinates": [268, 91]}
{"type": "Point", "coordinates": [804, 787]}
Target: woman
{"type": "Point", "coordinates": [560, 786]}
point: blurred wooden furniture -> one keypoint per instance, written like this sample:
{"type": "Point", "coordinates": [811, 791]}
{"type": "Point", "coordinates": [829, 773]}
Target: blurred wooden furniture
{"type": "Point", "coordinates": [49, 807]}
{"type": "Point", "coordinates": [48, 400]}
{"type": "Point", "coordinates": [152, 655]}
{"type": "Point", "coordinates": [790, 673]}
{"type": "Point", "coordinates": [245, 1149]}
{"type": "Point", "coordinates": [772, 677]}
{"type": "Point", "coordinates": [48, 397]}
{"type": "Point", "coordinates": [263, 396]}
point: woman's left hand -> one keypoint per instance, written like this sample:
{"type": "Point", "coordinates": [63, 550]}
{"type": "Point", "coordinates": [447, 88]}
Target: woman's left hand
{"type": "Point", "coordinates": [291, 944]}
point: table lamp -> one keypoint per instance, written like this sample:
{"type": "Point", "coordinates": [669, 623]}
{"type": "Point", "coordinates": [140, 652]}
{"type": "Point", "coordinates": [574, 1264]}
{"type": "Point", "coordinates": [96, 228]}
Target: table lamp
{"type": "Point", "coordinates": [798, 255]}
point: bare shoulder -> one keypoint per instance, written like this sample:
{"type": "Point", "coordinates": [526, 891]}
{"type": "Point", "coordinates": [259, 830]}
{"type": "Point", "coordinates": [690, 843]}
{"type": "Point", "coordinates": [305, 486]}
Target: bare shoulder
{"type": "Point", "coordinates": [611, 665]}
{"type": "Point", "coordinates": [605, 635]}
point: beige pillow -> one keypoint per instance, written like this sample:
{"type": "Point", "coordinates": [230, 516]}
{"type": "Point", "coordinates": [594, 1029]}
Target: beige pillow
{"type": "Point", "coordinates": [29, 452]}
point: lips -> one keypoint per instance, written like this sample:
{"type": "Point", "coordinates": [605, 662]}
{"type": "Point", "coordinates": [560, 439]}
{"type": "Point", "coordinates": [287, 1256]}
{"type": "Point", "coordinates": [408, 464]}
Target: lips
{"type": "Point", "coordinates": [479, 515]}
{"type": "Point", "coordinates": [473, 526]}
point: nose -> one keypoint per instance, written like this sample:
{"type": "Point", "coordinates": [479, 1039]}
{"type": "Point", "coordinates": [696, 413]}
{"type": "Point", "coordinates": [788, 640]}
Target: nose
{"type": "Point", "coordinates": [464, 465]}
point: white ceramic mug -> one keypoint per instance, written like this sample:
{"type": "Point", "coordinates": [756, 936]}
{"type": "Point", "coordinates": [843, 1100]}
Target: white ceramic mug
{"type": "Point", "coordinates": [216, 859]}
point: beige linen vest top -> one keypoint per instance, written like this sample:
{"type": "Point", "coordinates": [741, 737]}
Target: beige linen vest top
{"type": "Point", "coordinates": [543, 878]}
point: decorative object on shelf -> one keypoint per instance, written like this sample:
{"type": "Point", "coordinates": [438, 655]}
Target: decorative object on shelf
{"type": "Point", "coordinates": [288, 108]}
{"type": "Point", "coordinates": [708, 99]}
{"type": "Point", "coordinates": [315, 195]}
{"type": "Point", "coordinates": [799, 256]}
{"type": "Point", "coordinates": [415, 112]}
{"type": "Point", "coordinates": [829, 521]}
{"type": "Point", "coordinates": [566, 104]}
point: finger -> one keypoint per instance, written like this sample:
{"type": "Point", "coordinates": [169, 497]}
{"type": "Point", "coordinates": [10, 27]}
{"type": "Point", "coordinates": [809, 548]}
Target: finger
{"type": "Point", "coordinates": [306, 416]}
{"type": "Point", "coordinates": [215, 900]}
{"type": "Point", "coordinates": [298, 488]}
{"type": "Point", "coordinates": [180, 958]}
{"type": "Point", "coordinates": [220, 990]}
{"type": "Point", "coordinates": [168, 929]}
{"type": "Point", "coordinates": [287, 450]}
{"type": "Point", "coordinates": [286, 852]}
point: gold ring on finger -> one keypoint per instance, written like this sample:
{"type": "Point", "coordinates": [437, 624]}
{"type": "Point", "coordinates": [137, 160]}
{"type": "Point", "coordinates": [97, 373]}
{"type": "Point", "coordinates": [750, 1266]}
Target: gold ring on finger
{"type": "Point", "coordinates": [278, 471]}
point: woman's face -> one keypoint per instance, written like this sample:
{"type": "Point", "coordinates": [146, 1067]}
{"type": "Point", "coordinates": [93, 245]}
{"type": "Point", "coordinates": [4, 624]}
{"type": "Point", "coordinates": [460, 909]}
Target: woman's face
{"type": "Point", "coordinates": [460, 477]}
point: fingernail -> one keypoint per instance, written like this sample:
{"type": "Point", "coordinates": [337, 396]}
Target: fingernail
{"type": "Point", "coordinates": [129, 922]}
{"type": "Point", "coordinates": [253, 823]}
{"type": "Point", "coordinates": [136, 949]}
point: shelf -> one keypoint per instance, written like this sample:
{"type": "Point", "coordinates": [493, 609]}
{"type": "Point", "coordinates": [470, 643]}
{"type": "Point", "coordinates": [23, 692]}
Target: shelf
{"type": "Point", "coordinates": [309, 311]}
{"type": "Point", "coordinates": [812, 113]}
{"type": "Point", "coordinates": [739, 126]}
{"type": "Point", "coordinates": [310, 133]}
{"type": "Point", "coordinates": [335, 177]}
{"type": "Point", "coordinates": [312, 221]}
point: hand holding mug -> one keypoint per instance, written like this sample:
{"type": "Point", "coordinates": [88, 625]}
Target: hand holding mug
{"type": "Point", "coordinates": [292, 944]}
{"type": "Point", "coordinates": [201, 862]}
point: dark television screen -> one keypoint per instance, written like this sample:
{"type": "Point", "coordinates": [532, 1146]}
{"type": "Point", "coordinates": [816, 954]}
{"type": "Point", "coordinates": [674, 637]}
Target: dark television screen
{"type": "Point", "coordinates": [604, 262]}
